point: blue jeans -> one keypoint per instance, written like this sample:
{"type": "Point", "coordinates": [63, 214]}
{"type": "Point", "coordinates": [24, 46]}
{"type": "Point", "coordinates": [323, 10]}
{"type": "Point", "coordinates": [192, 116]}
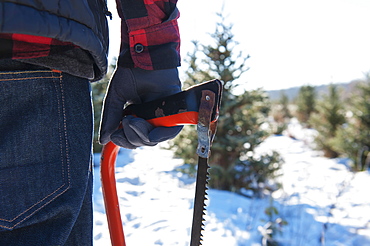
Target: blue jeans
{"type": "Point", "coordinates": [46, 128]}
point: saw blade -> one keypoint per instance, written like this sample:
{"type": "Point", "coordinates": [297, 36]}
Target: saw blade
{"type": "Point", "coordinates": [199, 202]}
{"type": "Point", "coordinates": [206, 130]}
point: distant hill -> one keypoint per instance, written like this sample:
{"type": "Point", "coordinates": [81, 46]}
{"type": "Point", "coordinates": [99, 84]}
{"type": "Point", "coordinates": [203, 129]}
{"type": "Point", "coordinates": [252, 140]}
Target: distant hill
{"type": "Point", "coordinates": [292, 93]}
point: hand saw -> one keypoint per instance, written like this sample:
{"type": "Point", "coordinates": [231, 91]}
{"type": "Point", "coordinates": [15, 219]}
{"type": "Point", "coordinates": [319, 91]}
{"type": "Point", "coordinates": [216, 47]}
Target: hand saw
{"type": "Point", "coordinates": [199, 105]}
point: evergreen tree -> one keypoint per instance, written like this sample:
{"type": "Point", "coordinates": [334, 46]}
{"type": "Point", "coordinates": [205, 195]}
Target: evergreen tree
{"type": "Point", "coordinates": [353, 138]}
{"type": "Point", "coordinates": [284, 102]}
{"type": "Point", "coordinates": [233, 161]}
{"type": "Point", "coordinates": [281, 114]}
{"type": "Point", "coordinates": [328, 118]}
{"type": "Point", "coordinates": [306, 103]}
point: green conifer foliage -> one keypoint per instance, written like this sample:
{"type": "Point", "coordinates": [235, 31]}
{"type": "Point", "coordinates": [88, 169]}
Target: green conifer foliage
{"type": "Point", "coordinates": [306, 103]}
{"type": "Point", "coordinates": [329, 117]}
{"type": "Point", "coordinates": [353, 138]}
{"type": "Point", "coordinates": [242, 117]}
{"type": "Point", "coordinates": [280, 113]}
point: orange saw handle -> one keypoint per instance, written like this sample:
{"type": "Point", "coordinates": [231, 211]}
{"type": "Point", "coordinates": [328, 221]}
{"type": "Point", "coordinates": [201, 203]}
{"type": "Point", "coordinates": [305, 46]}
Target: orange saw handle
{"type": "Point", "coordinates": [179, 109]}
{"type": "Point", "coordinates": [109, 189]}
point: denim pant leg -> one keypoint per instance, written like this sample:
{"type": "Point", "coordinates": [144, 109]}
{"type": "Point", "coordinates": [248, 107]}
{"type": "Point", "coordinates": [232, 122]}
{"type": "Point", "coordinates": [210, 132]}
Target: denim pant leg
{"type": "Point", "coordinates": [46, 128]}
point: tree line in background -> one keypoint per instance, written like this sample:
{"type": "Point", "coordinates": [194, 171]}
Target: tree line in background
{"type": "Point", "coordinates": [341, 119]}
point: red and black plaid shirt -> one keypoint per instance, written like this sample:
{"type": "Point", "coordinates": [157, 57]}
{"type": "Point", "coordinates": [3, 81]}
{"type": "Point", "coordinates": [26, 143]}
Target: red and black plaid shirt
{"type": "Point", "coordinates": [23, 46]}
{"type": "Point", "coordinates": [150, 36]}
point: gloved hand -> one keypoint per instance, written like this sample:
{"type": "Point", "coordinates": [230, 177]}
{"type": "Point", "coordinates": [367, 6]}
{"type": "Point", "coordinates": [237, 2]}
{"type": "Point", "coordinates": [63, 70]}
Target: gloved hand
{"type": "Point", "coordinates": [135, 85]}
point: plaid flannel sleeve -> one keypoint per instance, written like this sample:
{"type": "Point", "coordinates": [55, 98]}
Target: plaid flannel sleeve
{"type": "Point", "coordinates": [23, 46]}
{"type": "Point", "coordinates": [150, 36]}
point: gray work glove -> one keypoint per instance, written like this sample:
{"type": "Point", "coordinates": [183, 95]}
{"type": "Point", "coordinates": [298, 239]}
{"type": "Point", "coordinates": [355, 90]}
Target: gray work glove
{"type": "Point", "coordinates": [135, 85]}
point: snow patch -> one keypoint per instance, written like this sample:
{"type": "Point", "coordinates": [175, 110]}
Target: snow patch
{"type": "Point", "coordinates": [322, 201]}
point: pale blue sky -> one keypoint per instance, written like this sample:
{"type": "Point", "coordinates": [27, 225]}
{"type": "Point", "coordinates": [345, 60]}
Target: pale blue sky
{"type": "Point", "coordinates": [291, 42]}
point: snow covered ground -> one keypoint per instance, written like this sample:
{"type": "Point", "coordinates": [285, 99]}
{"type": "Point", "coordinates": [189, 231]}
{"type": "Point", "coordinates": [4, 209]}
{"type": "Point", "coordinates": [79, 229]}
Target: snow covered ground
{"type": "Point", "coordinates": [322, 201]}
